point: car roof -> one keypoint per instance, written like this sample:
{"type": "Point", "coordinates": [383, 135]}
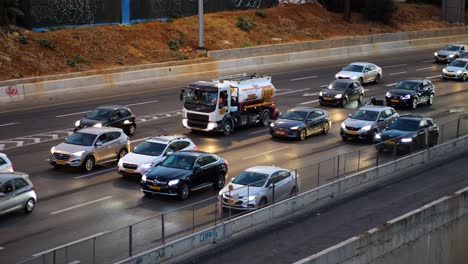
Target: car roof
{"type": "Point", "coordinates": [193, 153]}
{"type": "Point", "coordinates": [304, 108]}
{"type": "Point", "coordinates": [5, 176]}
{"type": "Point", "coordinates": [454, 44]}
{"type": "Point", "coordinates": [462, 59]}
{"type": "Point", "coordinates": [362, 63]}
{"type": "Point", "coordinates": [344, 81]}
{"type": "Point", "coordinates": [265, 169]}
{"type": "Point", "coordinates": [415, 117]}
{"type": "Point", "coordinates": [113, 107]}
{"type": "Point", "coordinates": [375, 107]}
{"type": "Point", "coordinates": [166, 139]}
{"type": "Point", "coordinates": [99, 130]}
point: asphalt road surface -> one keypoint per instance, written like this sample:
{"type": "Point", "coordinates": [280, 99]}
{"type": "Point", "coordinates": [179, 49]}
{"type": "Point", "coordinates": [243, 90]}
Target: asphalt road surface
{"type": "Point", "coordinates": [73, 205]}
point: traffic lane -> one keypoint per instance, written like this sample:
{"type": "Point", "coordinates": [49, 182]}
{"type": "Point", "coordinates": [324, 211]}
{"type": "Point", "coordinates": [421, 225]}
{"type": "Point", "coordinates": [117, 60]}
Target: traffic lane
{"type": "Point", "coordinates": [310, 232]}
{"type": "Point", "coordinates": [162, 95]}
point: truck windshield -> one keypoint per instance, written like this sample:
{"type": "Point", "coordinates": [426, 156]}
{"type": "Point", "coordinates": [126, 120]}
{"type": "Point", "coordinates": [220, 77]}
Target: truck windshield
{"type": "Point", "coordinates": [200, 100]}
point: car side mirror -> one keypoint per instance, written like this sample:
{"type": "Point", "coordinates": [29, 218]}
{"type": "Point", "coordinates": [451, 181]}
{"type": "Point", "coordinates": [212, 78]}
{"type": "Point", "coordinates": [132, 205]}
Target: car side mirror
{"type": "Point", "coordinates": [181, 96]}
{"type": "Point", "coordinates": [2, 194]}
{"type": "Point", "coordinates": [381, 119]}
{"type": "Point", "coordinates": [350, 115]}
{"type": "Point", "coordinates": [169, 153]}
{"type": "Point", "coordinates": [99, 143]}
{"type": "Point", "coordinates": [196, 170]}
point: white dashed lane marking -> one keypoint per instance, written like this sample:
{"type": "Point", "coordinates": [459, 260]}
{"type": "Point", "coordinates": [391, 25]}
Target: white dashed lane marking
{"type": "Point", "coordinates": [303, 78]}
{"type": "Point", "coordinates": [9, 124]}
{"type": "Point", "coordinates": [397, 73]}
{"type": "Point", "coordinates": [80, 205]}
{"type": "Point", "coordinates": [422, 69]}
{"type": "Point", "coordinates": [393, 66]}
{"type": "Point", "coordinates": [309, 102]}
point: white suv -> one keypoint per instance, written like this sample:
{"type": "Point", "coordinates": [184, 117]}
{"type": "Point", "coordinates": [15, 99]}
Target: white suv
{"type": "Point", "coordinates": [5, 164]}
{"type": "Point", "coordinates": [150, 153]}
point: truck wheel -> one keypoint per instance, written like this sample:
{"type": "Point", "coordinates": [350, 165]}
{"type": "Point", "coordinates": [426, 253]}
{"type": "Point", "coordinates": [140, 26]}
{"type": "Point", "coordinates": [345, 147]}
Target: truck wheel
{"type": "Point", "coordinates": [228, 127]}
{"type": "Point", "coordinates": [265, 118]}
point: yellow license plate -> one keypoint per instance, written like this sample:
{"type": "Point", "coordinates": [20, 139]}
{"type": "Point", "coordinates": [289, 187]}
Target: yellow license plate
{"type": "Point", "coordinates": [231, 202]}
{"type": "Point", "coordinates": [442, 59]}
{"type": "Point", "coordinates": [395, 101]}
{"type": "Point", "coordinates": [156, 188]}
{"type": "Point", "coordinates": [59, 162]}
{"type": "Point", "coordinates": [328, 99]}
{"type": "Point", "coordinates": [281, 132]}
{"type": "Point", "coordinates": [449, 75]}
{"type": "Point", "coordinates": [196, 128]}
{"type": "Point", "coordinates": [352, 132]}
{"type": "Point", "coordinates": [390, 142]}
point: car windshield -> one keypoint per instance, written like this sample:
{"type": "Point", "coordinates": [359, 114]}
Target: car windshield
{"type": "Point", "coordinates": [451, 48]}
{"type": "Point", "coordinates": [366, 115]}
{"type": "Point", "coordinates": [83, 139]}
{"type": "Point", "coordinates": [354, 68]}
{"type": "Point", "coordinates": [198, 97]}
{"type": "Point", "coordinates": [150, 148]}
{"type": "Point", "coordinates": [338, 85]}
{"type": "Point", "coordinates": [407, 85]}
{"type": "Point", "coordinates": [251, 178]}
{"type": "Point", "coordinates": [458, 63]}
{"type": "Point", "coordinates": [404, 124]}
{"type": "Point", "coordinates": [99, 114]}
{"type": "Point", "coordinates": [179, 162]}
{"type": "Point", "coordinates": [295, 115]}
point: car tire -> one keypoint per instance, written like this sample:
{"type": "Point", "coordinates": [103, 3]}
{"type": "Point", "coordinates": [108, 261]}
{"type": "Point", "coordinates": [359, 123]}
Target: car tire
{"type": "Point", "coordinates": [344, 138]}
{"type": "Point", "coordinates": [377, 78]}
{"type": "Point", "coordinates": [88, 164]}
{"type": "Point", "coordinates": [56, 167]}
{"type": "Point", "coordinates": [122, 153]}
{"type": "Point", "coordinates": [414, 103]}
{"type": "Point", "coordinates": [326, 128]}
{"type": "Point", "coordinates": [29, 206]}
{"type": "Point", "coordinates": [293, 192]}
{"type": "Point", "coordinates": [361, 98]}
{"type": "Point", "coordinates": [265, 119]}
{"type": "Point", "coordinates": [321, 103]}
{"type": "Point", "coordinates": [131, 130]}
{"type": "Point", "coordinates": [147, 193]}
{"type": "Point", "coordinates": [228, 127]}
{"type": "Point", "coordinates": [430, 100]}
{"type": "Point", "coordinates": [361, 81]}
{"type": "Point", "coordinates": [262, 202]}
{"type": "Point", "coordinates": [434, 141]}
{"type": "Point", "coordinates": [184, 192]}
{"type": "Point", "coordinates": [219, 182]}
{"type": "Point", "coordinates": [344, 102]}
{"type": "Point", "coordinates": [374, 133]}
{"type": "Point", "coordinates": [464, 77]}
{"type": "Point", "coordinates": [302, 134]}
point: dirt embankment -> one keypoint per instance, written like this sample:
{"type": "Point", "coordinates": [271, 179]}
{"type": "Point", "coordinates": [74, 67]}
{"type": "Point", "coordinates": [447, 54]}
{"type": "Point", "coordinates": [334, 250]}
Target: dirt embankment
{"type": "Point", "coordinates": [32, 53]}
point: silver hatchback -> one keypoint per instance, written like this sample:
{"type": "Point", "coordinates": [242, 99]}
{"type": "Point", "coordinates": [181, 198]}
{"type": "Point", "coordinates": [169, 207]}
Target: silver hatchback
{"type": "Point", "coordinates": [16, 193]}
{"type": "Point", "coordinates": [90, 146]}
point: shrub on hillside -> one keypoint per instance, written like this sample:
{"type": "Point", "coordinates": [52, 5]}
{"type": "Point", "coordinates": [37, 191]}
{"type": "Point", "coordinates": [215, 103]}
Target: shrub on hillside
{"type": "Point", "coordinates": [380, 10]}
{"type": "Point", "coordinates": [245, 25]}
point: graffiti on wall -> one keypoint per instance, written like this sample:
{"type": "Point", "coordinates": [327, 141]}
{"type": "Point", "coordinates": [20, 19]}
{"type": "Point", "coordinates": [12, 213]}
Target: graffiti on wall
{"type": "Point", "coordinates": [64, 11]}
{"type": "Point", "coordinates": [247, 3]}
{"type": "Point", "coordinates": [164, 5]}
{"type": "Point", "coordinates": [298, 2]}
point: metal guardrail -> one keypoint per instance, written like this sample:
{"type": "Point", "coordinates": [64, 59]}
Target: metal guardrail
{"type": "Point", "coordinates": [118, 244]}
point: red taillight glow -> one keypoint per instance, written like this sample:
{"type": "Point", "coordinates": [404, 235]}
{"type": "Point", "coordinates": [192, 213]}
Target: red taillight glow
{"type": "Point", "coordinates": [32, 187]}
{"type": "Point", "coordinates": [11, 168]}
{"type": "Point", "coordinates": [195, 147]}
{"type": "Point", "coordinates": [226, 162]}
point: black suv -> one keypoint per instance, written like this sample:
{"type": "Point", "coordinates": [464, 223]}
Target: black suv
{"type": "Point", "coordinates": [408, 133]}
{"type": "Point", "coordinates": [113, 116]}
{"type": "Point", "coordinates": [340, 92]}
{"type": "Point", "coordinates": [183, 172]}
{"type": "Point", "coordinates": [410, 93]}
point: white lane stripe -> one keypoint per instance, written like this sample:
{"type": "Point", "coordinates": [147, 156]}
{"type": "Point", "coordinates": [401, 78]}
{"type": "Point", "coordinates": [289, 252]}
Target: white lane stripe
{"type": "Point", "coordinates": [295, 91]}
{"type": "Point", "coordinates": [428, 61]}
{"type": "Point", "coordinates": [422, 69]}
{"type": "Point", "coordinates": [393, 66]}
{"type": "Point", "coordinates": [260, 131]}
{"type": "Point", "coordinates": [94, 173]}
{"type": "Point", "coordinates": [432, 77]}
{"type": "Point", "coordinates": [148, 102]}
{"type": "Point", "coordinates": [309, 102]}
{"type": "Point", "coordinates": [72, 114]}
{"type": "Point", "coordinates": [2, 248]}
{"type": "Point", "coordinates": [303, 78]}
{"type": "Point", "coordinates": [267, 152]}
{"type": "Point", "coordinates": [71, 243]}
{"type": "Point", "coordinates": [397, 73]}
{"type": "Point", "coordinates": [9, 124]}
{"type": "Point", "coordinates": [323, 86]}
{"type": "Point", "coordinates": [388, 85]}
{"type": "Point", "coordinates": [80, 205]}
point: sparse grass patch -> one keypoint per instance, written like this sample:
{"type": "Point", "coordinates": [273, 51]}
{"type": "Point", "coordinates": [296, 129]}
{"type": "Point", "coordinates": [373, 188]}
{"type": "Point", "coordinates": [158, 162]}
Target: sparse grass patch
{"type": "Point", "coordinates": [48, 44]}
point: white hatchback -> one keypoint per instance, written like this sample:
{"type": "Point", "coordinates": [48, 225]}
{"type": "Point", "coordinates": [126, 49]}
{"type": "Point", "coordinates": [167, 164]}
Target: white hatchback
{"type": "Point", "coordinates": [5, 163]}
{"type": "Point", "coordinates": [150, 153]}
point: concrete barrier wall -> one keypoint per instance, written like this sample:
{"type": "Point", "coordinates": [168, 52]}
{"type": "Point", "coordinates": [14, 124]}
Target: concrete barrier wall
{"type": "Point", "coordinates": [114, 77]}
{"type": "Point", "coordinates": [433, 234]}
{"type": "Point", "coordinates": [321, 195]}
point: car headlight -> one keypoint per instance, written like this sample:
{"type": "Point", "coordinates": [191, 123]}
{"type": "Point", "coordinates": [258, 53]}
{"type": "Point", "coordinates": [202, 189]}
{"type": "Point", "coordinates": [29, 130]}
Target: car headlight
{"type": "Point", "coordinates": [252, 198]}
{"type": "Point", "coordinates": [143, 178]}
{"type": "Point", "coordinates": [52, 150]}
{"type": "Point", "coordinates": [78, 153]}
{"type": "Point", "coordinates": [211, 126]}
{"type": "Point", "coordinates": [354, 77]}
{"type": "Point", "coordinates": [459, 72]}
{"type": "Point", "coordinates": [366, 128]}
{"type": "Point", "coordinates": [444, 70]}
{"type": "Point", "coordinates": [97, 125]}
{"type": "Point", "coordinates": [435, 54]}
{"type": "Point", "coordinates": [320, 94]}
{"type": "Point", "coordinates": [408, 96]}
{"type": "Point", "coordinates": [338, 96]}
{"type": "Point", "coordinates": [387, 94]}
{"type": "Point", "coordinates": [294, 128]}
{"type": "Point", "coordinates": [173, 182]}
{"type": "Point", "coordinates": [343, 126]}
{"type": "Point", "coordinates": [406, 140]}
{"type": "Point", "coordinates": [272, 124]}
{"type": "Point", "coordinates": [451, 55]}
{"type": "Point", "coordinates": [147, 165]}
{"type": "Point", "coordinates": [337, 76]}
{"type": "Point", "coordinates": [77, 123]}
{"type": "Point", "coordinates": [378, 136]}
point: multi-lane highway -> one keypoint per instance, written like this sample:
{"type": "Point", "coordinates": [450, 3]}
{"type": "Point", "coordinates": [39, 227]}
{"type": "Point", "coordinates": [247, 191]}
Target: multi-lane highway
{"type": "Point", "coordinates": [73, 205]}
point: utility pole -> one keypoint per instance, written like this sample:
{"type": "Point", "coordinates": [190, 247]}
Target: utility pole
{"type": "Point", "coordinates": [201, 30]}
{"type": "Point", "coordinates": [347, 10]}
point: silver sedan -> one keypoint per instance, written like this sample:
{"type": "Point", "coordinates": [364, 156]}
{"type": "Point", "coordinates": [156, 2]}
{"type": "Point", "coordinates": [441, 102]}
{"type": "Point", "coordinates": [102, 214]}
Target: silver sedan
{"type": "Point", "coordinates": [364, 72]}
{"type": "Point", "coordinates": [257, 186]}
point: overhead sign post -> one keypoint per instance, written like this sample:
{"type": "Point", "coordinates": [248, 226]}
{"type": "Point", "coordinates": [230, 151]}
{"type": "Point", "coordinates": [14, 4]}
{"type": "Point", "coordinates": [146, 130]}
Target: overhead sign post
{"type": "Point", "coordinates": [453, 11]}
{"type": "Point", "coordinates": [201, 29]}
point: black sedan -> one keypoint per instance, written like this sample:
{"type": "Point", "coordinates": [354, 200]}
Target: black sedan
{"type": "Point", "coordinates": [340, 92]}
{"type": "Point", "coordinates": [113, 116]}
{"type": "Point", "coordinates": [301, 122]}
{"type": "Point", "coordinates": [408, 133]}
{"type": "Point", "coordinates": [183, 172]}
{"type": "Point", "coordinates": [410, 93]}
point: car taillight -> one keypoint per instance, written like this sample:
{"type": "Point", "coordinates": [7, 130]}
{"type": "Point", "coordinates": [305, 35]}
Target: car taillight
{"type": "Point", "coordinates": [11, 168]}
{"type": "Point", "coordinates": [195, 147]}
{"type": "Point", "coordinates": [226, 162]}
{"type": "Point", "coordinates": [32, 187]}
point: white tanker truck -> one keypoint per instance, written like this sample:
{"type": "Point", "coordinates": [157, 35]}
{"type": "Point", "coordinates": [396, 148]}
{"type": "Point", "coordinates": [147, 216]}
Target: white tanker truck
{"type": "Point", "coordinates": [229, 102]}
